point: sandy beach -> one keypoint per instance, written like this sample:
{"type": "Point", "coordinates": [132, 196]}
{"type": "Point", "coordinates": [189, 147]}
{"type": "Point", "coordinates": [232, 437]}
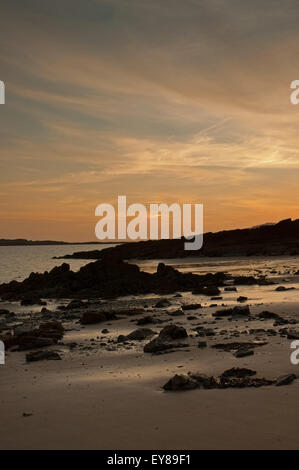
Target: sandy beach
{"type": "Point", "coordinates": [107, 394]}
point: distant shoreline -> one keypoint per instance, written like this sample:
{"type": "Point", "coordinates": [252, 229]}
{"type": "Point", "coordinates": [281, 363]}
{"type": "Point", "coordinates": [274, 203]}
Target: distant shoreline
{"type": "Point", "coordinates": [21, 242]}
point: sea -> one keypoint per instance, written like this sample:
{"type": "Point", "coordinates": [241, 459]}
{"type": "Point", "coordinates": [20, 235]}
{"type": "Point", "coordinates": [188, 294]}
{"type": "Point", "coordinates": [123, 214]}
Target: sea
{"type": "Point", "coordinates": [17, 262]}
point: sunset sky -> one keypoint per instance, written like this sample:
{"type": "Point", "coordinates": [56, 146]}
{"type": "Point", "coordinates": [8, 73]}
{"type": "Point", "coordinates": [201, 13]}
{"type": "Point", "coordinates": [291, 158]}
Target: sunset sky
{"type": "Point", "coordinates": [160, 100]}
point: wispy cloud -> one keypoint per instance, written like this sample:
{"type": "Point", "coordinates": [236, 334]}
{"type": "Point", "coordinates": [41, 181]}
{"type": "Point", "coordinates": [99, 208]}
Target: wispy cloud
{"type": "Point", "coordinates": [159, 100]}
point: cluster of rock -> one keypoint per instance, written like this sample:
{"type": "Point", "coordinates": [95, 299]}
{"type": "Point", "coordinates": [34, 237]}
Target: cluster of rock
{"type": "Point", "coordinates": [232, 378]}
{"type": "Point", "coordinates": [22, 339]}
{"type": "Point", "coordinates": [107, 278]}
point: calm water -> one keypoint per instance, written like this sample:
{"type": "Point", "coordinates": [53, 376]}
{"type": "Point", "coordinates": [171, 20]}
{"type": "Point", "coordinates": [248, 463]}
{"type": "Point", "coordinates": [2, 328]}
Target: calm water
{"type": "Point", "coordinates": [17, 262]}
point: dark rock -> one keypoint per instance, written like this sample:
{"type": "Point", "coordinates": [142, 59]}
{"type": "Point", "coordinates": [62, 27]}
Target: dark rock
{"type": "Point", "coordinates": [109, 277]}
{"type": "Point", "coordinates": [176, 313]}
{"type": "Point", "coordinates": [268, 315]}
{"type": "Point", "coordinates": [164, 341]}
{"type": "Point", "coordinates": [129, 312]}
{"type": "Point", "coordinates": [280, 321]}
{"type": "Point", "coordinates": [3, 311]}
{"type": "Point", "coordinates": [234, 382]}
{"type": "Point", "coordinates": [230, 289]}
{"type": "Point", "coordinates": [162, 303]}
{"type": "Point", "coordinates": [235, 311]}
{"type": "Point", "coordinates": [32, 342]}
{"type": "Point", "coordinates": [32, 301]}
{"type": "Point", "coordinates": [203, 380]}
{"type": "Point", "coordinates": [139, 334]}
{"type": "Point", "coordinates": [285, 379]}
{"type": "Point", "coordinates": [88, 318]}
{"type": "Point", "coordinates": [191, 306]}
{"type": "Point", "coordinates": [245, 280]}
{"type": "Point", "coordinates": [180, 382]}
{"type": "Point", "coordinates": [42, 355]}
{"type": "Point", "coordinates": [47, 334]}
{"type": "Point", "coordinates": [206, 290]}
{"type": "Point", "coordinates": [292, 335]}
{"type": "Point", "coordinates": [238, 372]}
{"type": "Point", "coordinates": [243, 352]}
{"type": "Point", "coordinates": [173, 332]}
{"type": "Point", "coordinates": [242, 298]}
{"type": "Point", "coordinates": [283, 288]}
{"type": "Point", "coordinates": [74, 304]}
{"type": "Point", "coordinates": [202, 344]}
{"type": "Point", "coordinates": [158, 344]}
{"type": "Point", "coordinates": [238, 345]}
{"type": "Point", "coordinates": [146, 320]}
{"type": "Point", "coordinates": [210, 332]}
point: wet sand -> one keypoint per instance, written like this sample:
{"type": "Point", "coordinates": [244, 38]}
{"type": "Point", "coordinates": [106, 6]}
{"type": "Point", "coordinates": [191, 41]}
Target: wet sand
{"type": "Point", "coordinates": [110, 396]}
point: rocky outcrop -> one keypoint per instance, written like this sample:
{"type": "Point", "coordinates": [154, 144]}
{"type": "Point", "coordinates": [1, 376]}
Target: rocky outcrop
{"type": "Point", "coordinates": [106, 278]}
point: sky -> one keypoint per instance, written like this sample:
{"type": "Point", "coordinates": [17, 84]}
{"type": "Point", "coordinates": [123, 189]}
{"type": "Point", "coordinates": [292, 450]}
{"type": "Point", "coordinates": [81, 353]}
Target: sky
{"type": "Point", "coordinates": [159, 100]}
